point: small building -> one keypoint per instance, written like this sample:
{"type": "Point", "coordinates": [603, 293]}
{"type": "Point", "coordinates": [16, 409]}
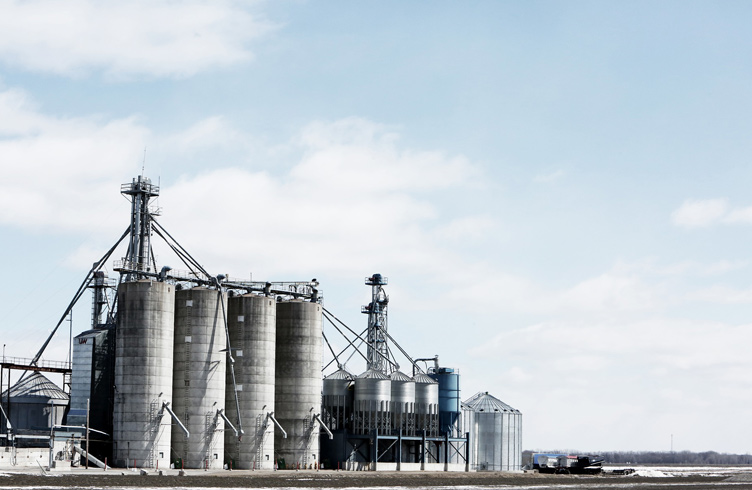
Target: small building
{"type": "Point", "coordinates": [36, 404]}
{"type": "Point", "coordinates": [495, 433]}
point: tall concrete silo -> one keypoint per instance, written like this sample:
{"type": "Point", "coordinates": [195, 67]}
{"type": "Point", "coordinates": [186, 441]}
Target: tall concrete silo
{"type": "Point", "coordinates": [251, 321]}
{"type": "Point", "coordinates": [199, 377]}
{"type": "Point", "coordinates": [495, 433]}
{"type": "Point", "coordinates": [143, 374]}
{"type": "Point", "coordinates": [298, 385]}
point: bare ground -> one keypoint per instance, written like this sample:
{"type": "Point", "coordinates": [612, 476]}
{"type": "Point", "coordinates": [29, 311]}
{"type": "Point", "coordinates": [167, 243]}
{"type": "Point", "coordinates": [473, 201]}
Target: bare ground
{"type": "Point", "coordinates": [339, 479]}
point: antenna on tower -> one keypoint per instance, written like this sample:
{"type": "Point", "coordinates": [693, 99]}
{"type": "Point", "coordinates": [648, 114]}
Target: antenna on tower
{"type": "Point", "coordinates": [143, 163]}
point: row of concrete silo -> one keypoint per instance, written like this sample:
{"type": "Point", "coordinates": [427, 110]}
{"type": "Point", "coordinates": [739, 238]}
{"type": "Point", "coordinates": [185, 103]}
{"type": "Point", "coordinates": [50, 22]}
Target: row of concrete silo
{"type": "Point", "coordinates": [174, 387]}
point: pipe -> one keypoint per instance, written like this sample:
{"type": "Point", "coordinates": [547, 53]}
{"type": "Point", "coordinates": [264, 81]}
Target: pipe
{"type": "Point", "coordinates": [316, 416]}
{"type": "Point", "coordinates": [221, 413]}
{"type": "Point", "coordinates": [166, 406]}
{"type": "Point", "coordinates": [271, 416]}
{"type": "Point", "coordinates": [91, 458]}
{"type": "Point", "coordinates": [8, 426]}
{"type": "Point", "coordinates": [231, 362]}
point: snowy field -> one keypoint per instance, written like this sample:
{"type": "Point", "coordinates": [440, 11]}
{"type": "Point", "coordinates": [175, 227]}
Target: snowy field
{"type": "Point", "coordinates": [644, 478]}
{"type": "Point", "coordinates": [669, 471]}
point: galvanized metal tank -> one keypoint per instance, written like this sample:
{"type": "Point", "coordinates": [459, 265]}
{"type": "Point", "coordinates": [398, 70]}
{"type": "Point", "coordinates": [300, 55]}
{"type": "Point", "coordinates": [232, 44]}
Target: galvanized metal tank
{"type": "Point", "coordinates": [199, 377]}
{"type": "Point", "coordinates": [403, 402]}
{"type": "Point", "coordinates": [426, 404]}
{"type": "Point", "coordinates": [449, 399]}
{"type": "Point", "coordinates": [495, 433]}
{"type": "Point", "coordinates": [35, 403]}
{"type": "Point", "coordinates": [251, 321]}
{"type": "Point", "coordinates": [298, 385]}
{"type": "Point", "coordinates": [373, 394]}
{"type": "Point", "coordinates": [143, 374]}
{"type": "Point", "coordinates": [337, 400]}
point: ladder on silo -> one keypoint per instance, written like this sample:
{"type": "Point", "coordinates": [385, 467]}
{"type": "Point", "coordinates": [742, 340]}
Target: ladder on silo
{"type": "Point", "coordinates": [260, 432]}
{"type": "Point", "coordinates": [154, 422]}
{"type": "Point", "coordinates": [210, 437]}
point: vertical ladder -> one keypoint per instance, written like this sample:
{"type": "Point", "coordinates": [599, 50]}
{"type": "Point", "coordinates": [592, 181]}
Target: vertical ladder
{"type": "Point", "coordinates": [154, 422]}
{"type": "Point", "coordinates": [260, 430]}
{"type": "Point", "coordinates": [209, 438]}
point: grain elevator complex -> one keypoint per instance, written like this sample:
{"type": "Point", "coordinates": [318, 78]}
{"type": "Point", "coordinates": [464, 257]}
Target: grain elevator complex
{"type": "Point", "coordinates": [190, 370]}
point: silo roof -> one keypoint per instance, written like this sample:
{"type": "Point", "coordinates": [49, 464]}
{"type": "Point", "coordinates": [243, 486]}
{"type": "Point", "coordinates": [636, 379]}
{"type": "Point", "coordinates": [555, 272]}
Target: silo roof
{"type": "Point", "coordinates": [400, 376]}
{"type": "Point", "coordinates": [340, 374]}
{"type": "Point", "coordinates": [424, 378]}
{"type": "Point", "coordinates": [36, 385]}
{"type": "Point", "coordinates": [483, 402]}
{"type": "Point", "coordinates": [371, 373]}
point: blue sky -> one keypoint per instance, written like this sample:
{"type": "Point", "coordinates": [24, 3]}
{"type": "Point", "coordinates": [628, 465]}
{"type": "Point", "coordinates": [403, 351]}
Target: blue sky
{"type": "Point", "coordinates": [557, 191]}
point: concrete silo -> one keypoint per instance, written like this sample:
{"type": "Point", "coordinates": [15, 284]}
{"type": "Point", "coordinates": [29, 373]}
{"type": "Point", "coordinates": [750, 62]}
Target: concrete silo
{"type": "Point", "coordinates": [143, 374]}
{"type": "Point", "coordinates": [199, 377]}
{"type": "Point", "coordinates": [251, 321]}
{"type": "Point", "coordinates": [298, 383]}
{"type": "Point", "coordinates": [495, 433]}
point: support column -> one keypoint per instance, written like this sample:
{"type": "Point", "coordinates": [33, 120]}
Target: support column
{"type": "Point", "coordinates": [375, 449]}
{"type": "Point", "coordinates": [467, 451]}
{"type": "Point", "coordinates": [399, 450]}
{"type": "Point", "coordinates": [423, 452]}
{"type": "Point", "coordinates": [446, 451]}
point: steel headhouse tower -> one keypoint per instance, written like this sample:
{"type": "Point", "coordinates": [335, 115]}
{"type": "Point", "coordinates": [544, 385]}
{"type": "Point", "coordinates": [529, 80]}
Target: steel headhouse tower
{"type": "Point", "coordinates": [139, 257]}
{"type": "Point", "coordinates": [376, 310]}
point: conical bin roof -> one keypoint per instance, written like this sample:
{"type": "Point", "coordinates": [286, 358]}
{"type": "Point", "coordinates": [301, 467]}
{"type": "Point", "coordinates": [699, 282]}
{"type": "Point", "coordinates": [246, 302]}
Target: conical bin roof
{"type": "Point", "coordinates": [483, 402]}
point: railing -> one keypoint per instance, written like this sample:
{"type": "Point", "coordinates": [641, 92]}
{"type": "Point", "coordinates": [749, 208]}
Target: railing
{"type": "Point", "coordinates": [21, 361]}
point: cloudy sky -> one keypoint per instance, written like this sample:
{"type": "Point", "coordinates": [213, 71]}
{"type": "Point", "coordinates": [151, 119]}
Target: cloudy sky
{"type": "Point", "coordinates": [557, 191]}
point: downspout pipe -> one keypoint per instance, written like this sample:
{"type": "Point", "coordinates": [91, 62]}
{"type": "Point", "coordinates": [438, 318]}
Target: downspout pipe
{"type": "Point", "coordinates": [316, 416]}
{"type": "Point", "coordinates": [8, 426]}
{"type": "Point", "coordinates": [91, 458]}
{"type": "Point", "coordinates": [166, 406]}
{"type": "Point", "coordinates": [221, 413]}
{"type": "Point", "coordinates": [271, 416]}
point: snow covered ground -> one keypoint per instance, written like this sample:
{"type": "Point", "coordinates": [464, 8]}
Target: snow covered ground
{"type": "Point", "coordinates": [666, 471]}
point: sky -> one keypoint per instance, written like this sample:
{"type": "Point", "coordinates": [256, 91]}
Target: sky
{"type": "Point", "coordinates": [556, 191]}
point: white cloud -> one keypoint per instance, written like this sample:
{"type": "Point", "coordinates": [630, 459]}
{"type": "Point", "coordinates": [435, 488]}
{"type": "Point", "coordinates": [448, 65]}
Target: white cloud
{"type": "Point", "coordinates": [355, 195]}
{"type": "Point", "coordinates": [620, 290]}
{"type": "Point", "coordinates": [739, 215]}
{"type": "Point", "coordinates": [549, 177]}
{"type": "Point", "coordinates": [699, 213]}
{"type": "Point", "coordinates": [706, 212]}
{"type": "Point", "coordinates": [352, 200]}
{"type": "Point", "coordinates": [210, 133]}
{"type": "Point", "coordinates": [59, 173]}
{"type": "Point", "coordinates": [642, 379]}
{"type": "Point", "coordinates": [700, 269]}
{"type": "Point", "coordinates": [124, 39]}
{"type": "Point", "coordinates": [722, 295]}
{"type": "Point", "coordinates": [367, 158]}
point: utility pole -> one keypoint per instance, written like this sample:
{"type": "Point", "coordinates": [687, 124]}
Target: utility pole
{"type": "Point", "coordinates": [87, 433]}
